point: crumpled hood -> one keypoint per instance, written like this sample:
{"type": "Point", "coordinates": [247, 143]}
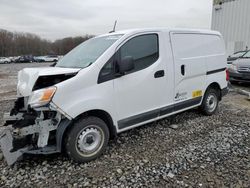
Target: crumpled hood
{"type": "Point", "coordinates": [28, 77]}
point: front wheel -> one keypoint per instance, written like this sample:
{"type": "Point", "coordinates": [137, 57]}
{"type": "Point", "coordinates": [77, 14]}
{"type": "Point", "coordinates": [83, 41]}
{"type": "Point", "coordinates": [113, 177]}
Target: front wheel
{"type": "Point", "coordinates": [87, 139]}
{"type": "Point", "coordinates": [210, 102]}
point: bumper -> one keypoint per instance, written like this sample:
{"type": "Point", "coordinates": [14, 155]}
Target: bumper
{"type": "Point", "coordinates": [24, 137]}
{"type": "Point", "coordinates": [6, 141]}
{"type": "Point", "coordinates": [32, 132]}
{"type": "Point", "coordinates": [239, 77]}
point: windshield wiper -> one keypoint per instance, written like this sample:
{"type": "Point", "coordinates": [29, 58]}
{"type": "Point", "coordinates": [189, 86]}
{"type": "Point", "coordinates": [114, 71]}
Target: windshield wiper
{"type": "Point", "coordinates": [75, 67]}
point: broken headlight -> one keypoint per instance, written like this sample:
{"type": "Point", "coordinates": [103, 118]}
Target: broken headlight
{"type": "Point", "coordinates": [41, 97]}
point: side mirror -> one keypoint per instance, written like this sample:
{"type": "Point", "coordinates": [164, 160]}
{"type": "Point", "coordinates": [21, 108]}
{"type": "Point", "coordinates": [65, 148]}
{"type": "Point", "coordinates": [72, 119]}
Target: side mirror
{"type": "Point", "coordinates": [126, 65]}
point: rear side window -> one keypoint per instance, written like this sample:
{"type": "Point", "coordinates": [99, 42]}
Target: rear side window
{"type": "Point", "coordinates": [143, 49]}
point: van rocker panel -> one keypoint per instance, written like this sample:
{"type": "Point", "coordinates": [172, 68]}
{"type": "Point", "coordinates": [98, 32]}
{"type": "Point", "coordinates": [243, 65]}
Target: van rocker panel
{"type": "Point", "coordinates": [130, 121]}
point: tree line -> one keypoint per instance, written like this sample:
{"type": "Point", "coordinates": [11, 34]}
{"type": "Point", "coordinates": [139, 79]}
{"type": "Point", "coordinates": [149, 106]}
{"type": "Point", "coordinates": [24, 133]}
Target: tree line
{"type": "Point", "coordinates": [17, 43]}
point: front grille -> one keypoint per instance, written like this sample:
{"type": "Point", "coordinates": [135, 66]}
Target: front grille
{"type": "Point", "coordinates": [244, 69]}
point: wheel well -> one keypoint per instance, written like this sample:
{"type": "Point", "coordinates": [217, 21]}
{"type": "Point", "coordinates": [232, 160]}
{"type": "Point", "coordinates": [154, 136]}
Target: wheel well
{"type": "Point", "coordinates": [215, 86]}
{"type": "Point", "coordinates": [103, 116]}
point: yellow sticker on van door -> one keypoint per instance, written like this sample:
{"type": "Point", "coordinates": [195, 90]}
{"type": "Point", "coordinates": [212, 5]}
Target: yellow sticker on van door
{"type": "Point", "coordinates": [197, 93]}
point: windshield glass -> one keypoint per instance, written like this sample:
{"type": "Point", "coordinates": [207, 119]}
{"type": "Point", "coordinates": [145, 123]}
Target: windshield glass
{"type": "Point", "coordinates": [238, 54]}
{"type": "Point", "coordinates": [88, 52]}
{"type": "Point", "coordinates": [247, 55]}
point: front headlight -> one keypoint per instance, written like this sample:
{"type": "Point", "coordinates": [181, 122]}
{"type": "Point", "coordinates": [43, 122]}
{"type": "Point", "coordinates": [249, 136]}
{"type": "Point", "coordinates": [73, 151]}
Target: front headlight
{"type": "Point", "coordinates": [41, 97]}
{"type": "Point", "coordinates": [233, 67]}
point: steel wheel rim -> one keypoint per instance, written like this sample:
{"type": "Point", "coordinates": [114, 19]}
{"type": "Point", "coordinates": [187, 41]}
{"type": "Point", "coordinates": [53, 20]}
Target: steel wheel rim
{"type": "Point", "coordinates": [212, 102]}
{"type": "Point", "coordinates": [89, 141]}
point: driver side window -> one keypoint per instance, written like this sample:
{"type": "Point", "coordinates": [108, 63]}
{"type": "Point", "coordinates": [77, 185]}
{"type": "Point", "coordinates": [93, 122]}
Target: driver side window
{"type": "Point", "coordinates": [144, 50]}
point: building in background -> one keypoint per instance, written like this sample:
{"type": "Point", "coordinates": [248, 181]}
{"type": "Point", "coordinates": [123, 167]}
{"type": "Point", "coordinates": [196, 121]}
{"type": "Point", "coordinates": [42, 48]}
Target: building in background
{"type": "Point", "coordinates": [232, 19]}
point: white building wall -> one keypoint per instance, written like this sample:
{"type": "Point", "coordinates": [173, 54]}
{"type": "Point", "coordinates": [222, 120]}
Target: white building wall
{"type": "Point", "coordinates": [232, 19]}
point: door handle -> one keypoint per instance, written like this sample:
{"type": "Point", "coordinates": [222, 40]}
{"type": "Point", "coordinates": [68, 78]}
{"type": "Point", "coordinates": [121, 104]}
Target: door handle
{"type": "Point", "coordinates": [159, 74]}
{"type": "Point", "coordinates": [183, 70]}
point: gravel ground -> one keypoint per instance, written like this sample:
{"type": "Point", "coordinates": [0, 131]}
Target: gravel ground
{"type": "Point", "coordinates": [186, 150]}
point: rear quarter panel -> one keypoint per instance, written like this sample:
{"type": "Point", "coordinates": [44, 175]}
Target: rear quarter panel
{"type": "Point", "coordinates": [216, 60]}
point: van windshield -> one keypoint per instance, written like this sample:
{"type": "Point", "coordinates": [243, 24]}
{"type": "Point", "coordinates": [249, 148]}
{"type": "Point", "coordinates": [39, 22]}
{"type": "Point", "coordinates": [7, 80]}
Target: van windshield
{"type": "Point", "coordinates": [88, 52]}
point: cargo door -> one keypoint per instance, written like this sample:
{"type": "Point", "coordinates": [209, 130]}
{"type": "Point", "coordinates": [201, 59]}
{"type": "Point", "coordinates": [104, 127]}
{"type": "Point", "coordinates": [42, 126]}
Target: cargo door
{"type": "Point", "coordinates": [190, 69]}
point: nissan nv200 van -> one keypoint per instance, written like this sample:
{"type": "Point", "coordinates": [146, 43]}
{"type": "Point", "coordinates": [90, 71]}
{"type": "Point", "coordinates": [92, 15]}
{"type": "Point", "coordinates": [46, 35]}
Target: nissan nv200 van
{"type": "Point", "coordinates": [112, 83]}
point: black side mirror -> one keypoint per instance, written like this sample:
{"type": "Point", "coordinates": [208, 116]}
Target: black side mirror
{"type": "Point", "coordinates": [126, 65]}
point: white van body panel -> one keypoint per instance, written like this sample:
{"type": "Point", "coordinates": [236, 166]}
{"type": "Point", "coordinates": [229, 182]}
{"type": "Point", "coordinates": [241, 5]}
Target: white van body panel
{"type": "Point", "coordinates": [75, 100]}
{"type": "Point", "coordinates": [138, 93]}
{"type": "Point", "coordinates": [139, 88]}
{"type": "Point", "coordinates": [198, 53]}
{"type": "Point", "coordinates": [187, 56]}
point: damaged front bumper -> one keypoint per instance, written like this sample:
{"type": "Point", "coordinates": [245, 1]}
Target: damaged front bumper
{"type": "Point", "coordinates": [32, 131]}
{"type": "Point", "coordinates": [6, 141]}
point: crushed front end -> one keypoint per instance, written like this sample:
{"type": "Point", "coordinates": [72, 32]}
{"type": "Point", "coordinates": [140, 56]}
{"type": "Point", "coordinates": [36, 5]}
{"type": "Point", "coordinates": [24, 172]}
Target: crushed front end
{"type": "Point", "coordinates": [28, 130]}
{"type": "Point", "coordinates": [35, 125]}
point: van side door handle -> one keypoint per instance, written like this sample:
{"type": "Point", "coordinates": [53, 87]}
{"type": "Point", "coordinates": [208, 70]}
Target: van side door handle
{"type": "Point", "coordinates": [183, 70]}
{"type": "Point", "coordinates": [159, 74]}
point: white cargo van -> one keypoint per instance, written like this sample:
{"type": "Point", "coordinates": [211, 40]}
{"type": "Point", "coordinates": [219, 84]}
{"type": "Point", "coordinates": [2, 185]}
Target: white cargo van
{"type": "Point", "coordinates": [110, 84]}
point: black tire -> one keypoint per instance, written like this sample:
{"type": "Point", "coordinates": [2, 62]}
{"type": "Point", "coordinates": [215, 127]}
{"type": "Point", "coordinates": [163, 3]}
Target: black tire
{"type": "Point", "coordinates": [210, 102]}
{"type": "Point", "coordinates": [6, 62]}
{"type": "Point", "coordinates": [78, 133]}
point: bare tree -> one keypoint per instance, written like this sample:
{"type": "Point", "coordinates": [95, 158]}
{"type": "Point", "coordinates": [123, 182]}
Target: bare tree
{"type": "Point", "coordinates": [17, 43]}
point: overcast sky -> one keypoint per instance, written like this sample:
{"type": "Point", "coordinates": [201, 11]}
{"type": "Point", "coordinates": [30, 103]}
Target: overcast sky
{"type": "Point", "coordinates": [54, 19]}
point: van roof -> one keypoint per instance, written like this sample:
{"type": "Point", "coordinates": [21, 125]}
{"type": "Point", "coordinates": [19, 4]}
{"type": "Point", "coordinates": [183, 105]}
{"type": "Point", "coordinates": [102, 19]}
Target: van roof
{"type": "Point", "coordinates": [179, 30]}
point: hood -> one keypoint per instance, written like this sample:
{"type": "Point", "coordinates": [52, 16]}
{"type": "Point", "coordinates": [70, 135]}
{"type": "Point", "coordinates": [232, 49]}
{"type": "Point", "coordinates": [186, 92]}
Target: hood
{"type": "Point", "coordinates": [243, 65]}
{"type": "Point", "coordinates": [242, 62]}
{"type": "Point", "coordinates": [28, 78]}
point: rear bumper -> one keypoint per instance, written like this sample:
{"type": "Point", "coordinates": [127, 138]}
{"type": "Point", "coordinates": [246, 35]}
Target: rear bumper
{"type": "Point", "coordinates": [239, 77]}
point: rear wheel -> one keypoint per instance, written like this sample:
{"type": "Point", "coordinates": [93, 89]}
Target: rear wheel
{"type": "Point", "coordinates": [210, 102]}
{"type": "Point", "coordinates": [87, 139]}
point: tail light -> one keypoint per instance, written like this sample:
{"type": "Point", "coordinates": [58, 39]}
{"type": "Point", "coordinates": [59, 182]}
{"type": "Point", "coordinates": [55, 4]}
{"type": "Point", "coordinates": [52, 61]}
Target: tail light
{"type": "Point", "coordinates": [227, 75]}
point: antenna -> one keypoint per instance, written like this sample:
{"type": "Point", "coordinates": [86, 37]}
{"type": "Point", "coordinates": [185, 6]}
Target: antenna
{"type": "Point", "coordinates": [114, 27]}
